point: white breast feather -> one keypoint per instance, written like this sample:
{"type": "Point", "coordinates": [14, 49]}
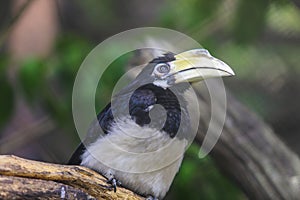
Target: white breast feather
{"type": "Point", "coordinates": [143, 159]}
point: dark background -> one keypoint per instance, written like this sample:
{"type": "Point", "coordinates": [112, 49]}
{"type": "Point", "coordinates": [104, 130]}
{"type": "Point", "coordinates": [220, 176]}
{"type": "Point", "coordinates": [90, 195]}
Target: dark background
{"type": "Point", "coordinates": [43, 42]}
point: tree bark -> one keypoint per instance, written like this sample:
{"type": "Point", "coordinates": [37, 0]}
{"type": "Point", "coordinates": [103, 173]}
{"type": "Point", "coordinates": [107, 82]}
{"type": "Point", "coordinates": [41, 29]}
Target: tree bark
{"type": "Point", "coordinates": [26, 179]}
{"type": "Point", "coordinates": [249, 152]}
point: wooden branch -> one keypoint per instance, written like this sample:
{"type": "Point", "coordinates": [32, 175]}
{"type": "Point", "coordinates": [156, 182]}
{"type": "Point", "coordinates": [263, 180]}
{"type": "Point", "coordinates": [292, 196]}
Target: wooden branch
{"type": "Point", "coordinates": [27, 179]}
{"type": "Point", "coordinates": [24, 188]}
{"type": "Point", "coordinates": [250, 152]}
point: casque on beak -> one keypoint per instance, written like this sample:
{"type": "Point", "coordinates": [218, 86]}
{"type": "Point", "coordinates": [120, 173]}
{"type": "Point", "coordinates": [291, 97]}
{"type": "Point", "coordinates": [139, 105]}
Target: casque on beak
{"type": "Point", "coordinates": [196, 65]}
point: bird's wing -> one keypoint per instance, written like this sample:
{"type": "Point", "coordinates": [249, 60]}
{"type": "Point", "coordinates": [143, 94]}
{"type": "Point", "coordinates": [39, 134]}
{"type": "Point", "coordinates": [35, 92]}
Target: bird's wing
{"type": "Point", "coordinates": [98, 127]}
{"type": "Point", "coordinates": [76, 157]}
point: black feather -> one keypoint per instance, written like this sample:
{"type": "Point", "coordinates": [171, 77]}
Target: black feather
{"type": "Point", "coordinates": [105, 118]}
{"type": "Point", "coordinates": [76, 157]}
{"type": "Point", "coordinates": [167, 57]}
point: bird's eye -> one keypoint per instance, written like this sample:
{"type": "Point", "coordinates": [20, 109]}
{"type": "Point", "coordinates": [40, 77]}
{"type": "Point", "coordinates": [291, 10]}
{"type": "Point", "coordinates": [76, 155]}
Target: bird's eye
{"type": "Point", "coordinates": [162, 68]}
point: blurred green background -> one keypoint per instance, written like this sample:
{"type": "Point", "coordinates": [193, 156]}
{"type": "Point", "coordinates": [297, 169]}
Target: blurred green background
{"type": "Point", "coordinates": [43, 43]}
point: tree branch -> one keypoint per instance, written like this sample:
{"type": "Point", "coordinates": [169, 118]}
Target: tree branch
{"type": "Point", "coordinates": [28, 179]}
{"type": "Point", "coordinates": [250, 152]}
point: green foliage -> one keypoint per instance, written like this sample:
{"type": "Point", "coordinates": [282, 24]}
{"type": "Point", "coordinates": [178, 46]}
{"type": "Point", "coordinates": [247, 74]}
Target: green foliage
{"type": "Point", "coordinates": [108, 80]}
{"type": "Point", "coordinates": [249, 20]}
{"type": "Point", "coordinates": [283, 18]}
{"type": "Point", "coordinates": [100, 10]}
{"type": "Point", "coordinates": [200, 179]}
{"type": "Point", "coordinates": [49, 82]}
{"type": "Point", "coordinates": [32, 77]}
{"type": "Point", "coordinates": [63, 66]}
{"type": "Point", "coordinates": [70, 53]}
{"type": "Point", "coordinates": [187, 14]}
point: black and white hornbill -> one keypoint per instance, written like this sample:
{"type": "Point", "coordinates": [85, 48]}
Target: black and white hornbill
{"type": "Point", "coordinates": [137, 148]}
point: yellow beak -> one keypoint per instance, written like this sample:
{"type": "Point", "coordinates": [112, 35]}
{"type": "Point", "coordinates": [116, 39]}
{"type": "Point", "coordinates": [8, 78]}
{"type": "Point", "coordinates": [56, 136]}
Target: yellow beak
{"type": "Point", "coordinates": [196, 65]}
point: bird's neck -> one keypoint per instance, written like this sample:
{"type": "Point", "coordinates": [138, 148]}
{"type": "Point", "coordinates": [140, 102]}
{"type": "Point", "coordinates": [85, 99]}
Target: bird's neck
{"type": "Point", "coordinates": [157, 107]}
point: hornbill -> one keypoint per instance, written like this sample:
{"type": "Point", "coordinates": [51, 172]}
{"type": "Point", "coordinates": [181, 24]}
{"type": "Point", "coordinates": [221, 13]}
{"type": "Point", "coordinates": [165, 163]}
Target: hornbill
{"type": "Point", "coordinates": [140, 137]}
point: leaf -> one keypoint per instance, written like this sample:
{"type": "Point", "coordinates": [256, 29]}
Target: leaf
{"type": "Point", "coordinates": [32, 78]}
{"type": "Point", "coordinates": [249, 20]}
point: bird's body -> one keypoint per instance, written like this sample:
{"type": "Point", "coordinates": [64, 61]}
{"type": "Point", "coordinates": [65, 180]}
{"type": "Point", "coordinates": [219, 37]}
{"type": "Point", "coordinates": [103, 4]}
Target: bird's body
{"type": "Point", "coordinates": [138, 170]}
{"type": "Point", "coordinates": [134, 140]}
{"type": "Point", "coordinates": [155, 183]}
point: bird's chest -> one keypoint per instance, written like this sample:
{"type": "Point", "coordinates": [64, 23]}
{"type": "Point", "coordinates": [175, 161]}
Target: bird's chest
{"type": "Point", "coordinates": [134, 149]}
{"type": "Point", "coordinates": [143, 159]}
